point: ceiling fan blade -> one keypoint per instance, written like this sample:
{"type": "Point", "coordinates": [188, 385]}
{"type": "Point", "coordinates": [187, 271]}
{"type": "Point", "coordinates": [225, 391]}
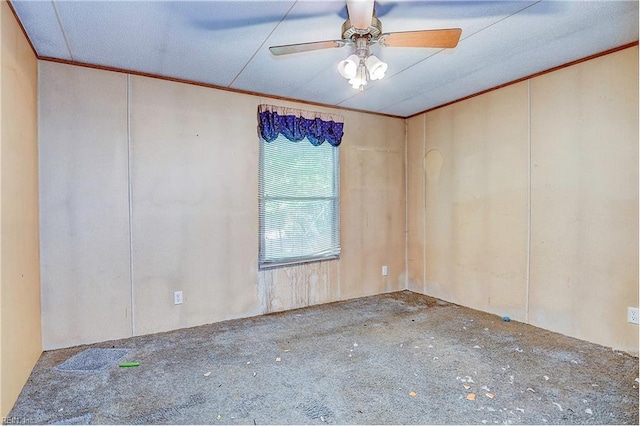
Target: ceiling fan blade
{"type": "Point", "coordinates": [426, 38]}
{"type": "Point", "coordinates": [305, 47]}
{"type": "Point", "coordinates": [360, 13]}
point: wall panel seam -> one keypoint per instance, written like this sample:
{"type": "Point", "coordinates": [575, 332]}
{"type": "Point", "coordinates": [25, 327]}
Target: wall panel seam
{"type": "Point", "coordinates": [528, 278]}
{"type": "Point", "coordinates": [406, 206]}
{"type": "Point", "coordinates": [130, 200]}
{"type": "Point", "coordinates": [424, 204]}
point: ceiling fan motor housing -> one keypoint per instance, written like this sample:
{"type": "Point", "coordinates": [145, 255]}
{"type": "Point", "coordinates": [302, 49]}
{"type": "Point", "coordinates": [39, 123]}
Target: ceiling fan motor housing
{"type": "Point", "coordinates": [374, 30]}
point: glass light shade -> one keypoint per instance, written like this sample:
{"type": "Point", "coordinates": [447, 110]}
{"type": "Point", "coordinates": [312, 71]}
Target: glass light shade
{"type": "Point", "coordinates": [349, 67]}
{"type": "Point", "coordinates": [376, 67]}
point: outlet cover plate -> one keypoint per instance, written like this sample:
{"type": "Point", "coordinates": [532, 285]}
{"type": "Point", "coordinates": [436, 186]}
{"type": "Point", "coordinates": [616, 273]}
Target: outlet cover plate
{"type": "Point", "coordinates": [177, 298]}
{"type": "Point", "coordinates": [632, 315]}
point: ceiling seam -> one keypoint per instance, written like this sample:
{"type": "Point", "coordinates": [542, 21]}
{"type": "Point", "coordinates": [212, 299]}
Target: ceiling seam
{"type": "Point", "coordinates": [64, 32]}
{"type": "Point", "coordinates": [471, 35]}
{"type": "Point", "coordinates": [262, 44]}
{"type": "Point", "coordinates": [435, 53]}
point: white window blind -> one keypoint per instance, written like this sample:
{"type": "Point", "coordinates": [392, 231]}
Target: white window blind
{"type": "Point", "coordinates": [299, 197]}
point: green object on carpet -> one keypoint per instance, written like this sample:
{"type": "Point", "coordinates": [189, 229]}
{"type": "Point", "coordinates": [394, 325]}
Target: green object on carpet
{"type": "Point", "coordinates": [129, 364]}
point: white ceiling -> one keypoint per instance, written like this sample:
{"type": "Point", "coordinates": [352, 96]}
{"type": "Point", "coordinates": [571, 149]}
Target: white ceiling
{"type": "Point", "coordinates": [225, 43]}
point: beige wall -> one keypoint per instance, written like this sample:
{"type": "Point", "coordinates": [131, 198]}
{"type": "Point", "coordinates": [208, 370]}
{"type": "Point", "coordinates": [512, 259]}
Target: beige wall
{"type": "Point", "coordinates": [524, 201]}
{"type": "Point", "coordinates": [167, 200]}
{"type": "Point", "coordinates": [473, 169]}
{"type": "Point", "coordinates": [584, 200]}
{"type": "Point", "coordinates": [194, 162]}
{"type": "Point", "coordinates": [84, 220]}
{"type": "Point", "coordinates": [19, 260]}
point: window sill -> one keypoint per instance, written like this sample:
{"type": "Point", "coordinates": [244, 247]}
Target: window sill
{"type": "Point", "coordinates": [295, 262]}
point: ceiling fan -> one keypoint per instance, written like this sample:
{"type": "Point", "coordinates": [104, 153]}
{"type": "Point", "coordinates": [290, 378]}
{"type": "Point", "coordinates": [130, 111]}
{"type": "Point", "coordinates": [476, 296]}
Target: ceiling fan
{"type": "Point", "coordinates": [362, 29]}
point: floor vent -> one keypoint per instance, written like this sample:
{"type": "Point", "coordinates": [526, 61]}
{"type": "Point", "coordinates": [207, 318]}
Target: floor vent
{"type": "Point", "coordinates": [92, 359]}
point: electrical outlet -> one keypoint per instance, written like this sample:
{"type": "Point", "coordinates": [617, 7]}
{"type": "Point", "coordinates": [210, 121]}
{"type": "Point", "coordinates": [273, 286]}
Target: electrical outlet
{"type": "Point", "coordinates": [384, 271]}
{"type": "Point", "coordinates": [177, 298]}
{"type": "Point", "coordinates": [632, 315]}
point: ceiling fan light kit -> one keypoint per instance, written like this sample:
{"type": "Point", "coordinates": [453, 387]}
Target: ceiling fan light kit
{"type": "Point", "coordinates": [360, 70]}
{"type": "Point", "coordinates": [361, 66]}
{"type": "Point", "coordinates": [362, 29]}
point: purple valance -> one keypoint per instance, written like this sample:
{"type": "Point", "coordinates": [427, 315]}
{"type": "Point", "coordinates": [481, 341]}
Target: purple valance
{"type": "Point", "coordinates": [296, 125]}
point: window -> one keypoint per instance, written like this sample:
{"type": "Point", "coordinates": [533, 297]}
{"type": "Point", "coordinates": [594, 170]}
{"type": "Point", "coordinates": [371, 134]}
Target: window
{"type": "Point", "coordinates": [299, 202]}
